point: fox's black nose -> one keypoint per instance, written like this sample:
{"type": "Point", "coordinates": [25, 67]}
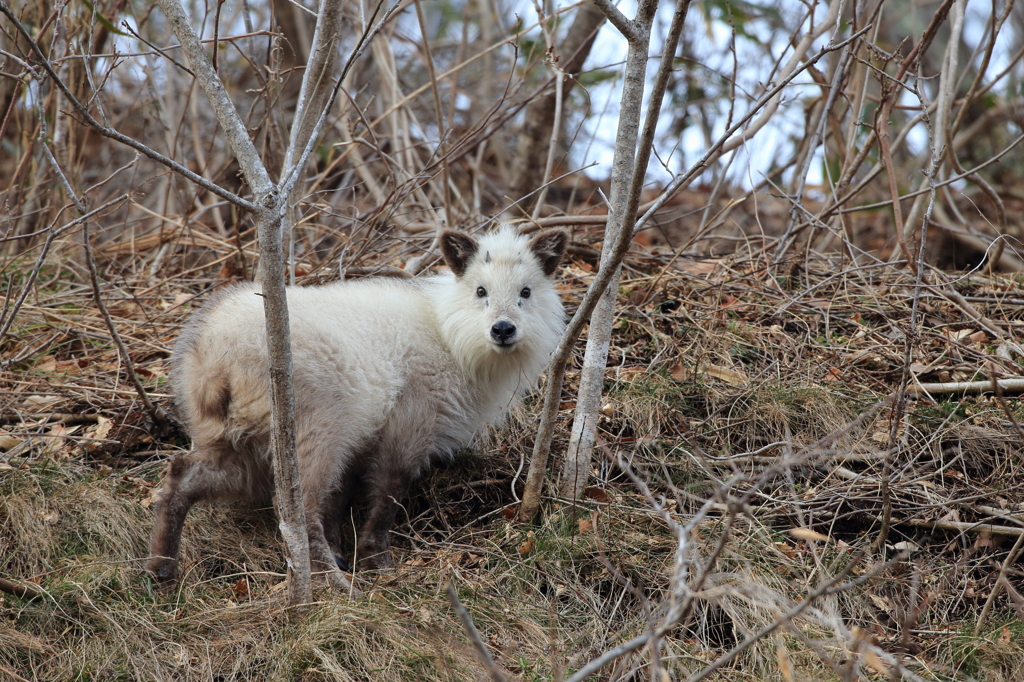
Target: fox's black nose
{"type": "Point", "coordinates": [502, 332]}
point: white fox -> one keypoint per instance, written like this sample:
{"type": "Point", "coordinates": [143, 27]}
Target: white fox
{"type": "Point", "coordinates": [390, 375]}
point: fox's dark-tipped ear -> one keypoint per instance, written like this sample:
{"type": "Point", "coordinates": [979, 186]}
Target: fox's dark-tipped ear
{"type": "Point", "coordinates": [458, 248]}
{"type": "Point", "coordinates": [549, 247]}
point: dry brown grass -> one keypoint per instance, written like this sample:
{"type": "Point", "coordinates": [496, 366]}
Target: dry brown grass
{"type": "Point", "coordinates": [766, 382]}
{"type": "Point", "coordinates": [723, 386]}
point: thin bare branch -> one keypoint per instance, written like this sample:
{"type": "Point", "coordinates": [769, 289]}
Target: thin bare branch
{"type": "Point", "coordinates": [1011, 384]}
{"type": "Point", "coordinates": [716, 150]}
{"type": "Point", "coordinates": [791, 68]}
{"type": "Point", "coordinates": [115, 135]}
{"type": "Point", "coordinates": [626, 26]}
{"type": "Point", "coordinates": [21, 590]}
{"type": "Point", "coordinates": [288, 499]}
{"type": "Point", "coordinates": [234, 129]}
{"type": "Point", "coordinates": [623, 205]}
{"type": "Point", "coordinates": [157, 412]}
{"type": "Point", "coordinates": [581, 442]}
{"type": "Point", "coordinates": [478, 644]}
{"type": "Point", "coordinates": [833, 585]}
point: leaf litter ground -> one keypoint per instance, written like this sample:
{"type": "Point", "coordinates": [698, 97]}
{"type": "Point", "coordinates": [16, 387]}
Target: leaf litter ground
{"type": "Point", "coordinates": [721, 373]}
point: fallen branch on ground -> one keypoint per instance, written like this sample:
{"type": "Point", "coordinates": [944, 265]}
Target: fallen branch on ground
{"type": "Point", "coordinates": [961, 526]}
{"type": "Point", "coordinates": [19, 589]}
{"type": "Point", "coordinates": [1012, 384]}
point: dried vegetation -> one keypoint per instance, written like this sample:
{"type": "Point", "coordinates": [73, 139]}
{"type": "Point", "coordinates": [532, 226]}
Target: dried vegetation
{"type": "Point", "coordinates": [799, 458]}
{"type": "Point", "coordinates": [709, 388]}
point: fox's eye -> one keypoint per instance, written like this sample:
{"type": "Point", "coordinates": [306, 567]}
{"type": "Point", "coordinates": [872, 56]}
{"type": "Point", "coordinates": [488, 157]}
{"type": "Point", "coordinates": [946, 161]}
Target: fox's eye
{"type": "Point", "coordinates": [481, 292]}
{"type": "Point", "coordinates": [525, 293]}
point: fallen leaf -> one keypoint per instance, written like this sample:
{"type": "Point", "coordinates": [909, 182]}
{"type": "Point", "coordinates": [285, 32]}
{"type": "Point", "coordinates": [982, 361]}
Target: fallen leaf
{"type": "Point", "coordinates": [578, 270]}
{"type": "Point", "coordinates": [1004, 636]}
{"type": "Point", "coordinates": [230, 270]}
{"type": "Point", "coordinates": [698, 267]}
{"type": "Point", "coordinates": [42, 400]}
{"type": "Point", "coordinates": [7, 442]}
{"type": "Point", "coordinates": [786, 549]}
{"type": "Point", "coordinates": [729, 376]}
{"type": "Point", "coordinates": [783, 657]}
{"type": "Point", "coordinates": [526, 546]}
{"type": "Point", "coordinates": [47, 363]}
{"type": "Point", "coordinates": [678, 372]}
{"type": "Point", "coordinates": [951, 515]}
{"type": "Point", "coordinates": [586, 525]}
{"type": "Point", "coordinates": [880, 602]}
{"type": "Point", "coordinates": [241, 588]}
{"type": "Point", "coordinates": [807, 534]}
{"type": "Point", "coordinates": [629, 373]}
{"type": "Point", "coordinates": [875, 662]}
{"type": "Point", "coordinates": [597, 494]}
{"type": "Point", "coordinates": [452, 560]}
{"type": "Point", "coordinates": [102, 428]}
{"type": "Point", "coordinates": [68, 366]}
{"type": "Point", "coordinates": [472, 560]}
{"type": "Point", "coordinates": [61, 430]}
{"type": "Point", "coordinates": [157, 369]}
{"type": "Point", "coordinates": [978, 337]}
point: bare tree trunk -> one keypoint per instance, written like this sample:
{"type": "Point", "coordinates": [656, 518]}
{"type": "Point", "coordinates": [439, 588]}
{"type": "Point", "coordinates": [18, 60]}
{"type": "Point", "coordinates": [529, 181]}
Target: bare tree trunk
{"type": "Point", "coordinates": [317, 82]}
{"type": "Point", "coordinates": [296, 24]}
{"type": "Point", "coordinates": [580, 453]}
{"type": "Point", "coordinates": [527, 170]}
{"type": "Point", "coordinates": [318, 78]}
{"type": "Point", "coordinates": [288, 498]}
{"type": "Point", "coordinates": [623, 203]}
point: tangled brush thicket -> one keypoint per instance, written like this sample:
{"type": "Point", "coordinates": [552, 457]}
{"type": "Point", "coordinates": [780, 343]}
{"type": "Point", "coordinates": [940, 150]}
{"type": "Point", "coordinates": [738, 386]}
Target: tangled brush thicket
{"type": "Point", "coordinates": [708, 389]}
{"type": "Point", "coordinates": [801, 465]}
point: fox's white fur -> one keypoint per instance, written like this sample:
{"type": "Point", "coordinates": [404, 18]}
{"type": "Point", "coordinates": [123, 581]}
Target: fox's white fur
{"type": "Point", "coordinates": [389, 375]}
